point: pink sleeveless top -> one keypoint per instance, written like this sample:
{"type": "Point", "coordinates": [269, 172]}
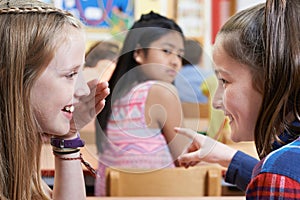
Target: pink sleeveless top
{"type": "Point", "coordinates": [131, 144]}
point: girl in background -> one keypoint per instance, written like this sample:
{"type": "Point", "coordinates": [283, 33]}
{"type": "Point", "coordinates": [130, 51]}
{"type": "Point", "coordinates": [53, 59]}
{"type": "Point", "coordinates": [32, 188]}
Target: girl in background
{"type": "Point", "coordinates": [143, 108]}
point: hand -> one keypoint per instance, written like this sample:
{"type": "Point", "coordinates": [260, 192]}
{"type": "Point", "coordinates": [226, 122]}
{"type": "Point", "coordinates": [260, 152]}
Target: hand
{"type": "Point", "coordinates": [204, 149]}
{"type": "Point", "coordinates": [89, 106]}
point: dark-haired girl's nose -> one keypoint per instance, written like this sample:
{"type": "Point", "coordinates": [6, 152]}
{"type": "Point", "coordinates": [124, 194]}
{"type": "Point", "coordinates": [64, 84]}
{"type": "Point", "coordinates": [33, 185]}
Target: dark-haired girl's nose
{"type": "Point", "coordinates": [218, 98]}
{"type": "Point", "coordinates": [176, 61]}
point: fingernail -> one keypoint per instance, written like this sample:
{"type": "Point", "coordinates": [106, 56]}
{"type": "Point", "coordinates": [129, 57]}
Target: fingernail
{"type": "Point", "coordinates": [176, 128]}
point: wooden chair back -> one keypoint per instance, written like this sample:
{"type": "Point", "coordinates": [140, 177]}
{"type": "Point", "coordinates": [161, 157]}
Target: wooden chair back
{"type": "Point", "coordinates": [195, 110]}
{"type": "Point", "coordinates": [195, 181]}
{"type": "Point", "coordinates": [196, 116]}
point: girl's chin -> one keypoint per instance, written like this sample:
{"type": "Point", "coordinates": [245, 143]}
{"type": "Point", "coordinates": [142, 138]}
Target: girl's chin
{"type": "Point", "coordinates": [234, 136]}
{"type": "Point", "coordinates": [234, 139]}
{"type": "Point", "coordinates": [237, 137]}
{"type": "Point", "coordinates": [59, 132]}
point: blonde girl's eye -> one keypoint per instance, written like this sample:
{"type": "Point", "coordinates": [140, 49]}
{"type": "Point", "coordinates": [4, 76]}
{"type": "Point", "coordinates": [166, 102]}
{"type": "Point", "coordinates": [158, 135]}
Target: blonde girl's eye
{"type": "Point", "coordinates": [71, 75]}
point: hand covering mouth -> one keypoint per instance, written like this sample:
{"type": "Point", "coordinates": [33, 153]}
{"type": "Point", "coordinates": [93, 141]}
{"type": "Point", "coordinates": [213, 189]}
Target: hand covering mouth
{"type": "Point", "coordinates": [69, 109]}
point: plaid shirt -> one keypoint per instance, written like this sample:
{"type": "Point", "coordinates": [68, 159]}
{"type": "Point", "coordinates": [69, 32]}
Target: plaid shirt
{"type": "Point", "coordinates": [278, 175]}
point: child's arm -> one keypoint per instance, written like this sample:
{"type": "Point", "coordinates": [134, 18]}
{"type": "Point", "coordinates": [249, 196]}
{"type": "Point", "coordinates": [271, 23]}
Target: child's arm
{"type": "Point", "coordinates": [166, 111]}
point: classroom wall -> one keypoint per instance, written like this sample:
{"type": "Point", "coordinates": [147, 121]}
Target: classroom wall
{"type": "Point", "coordinates": [242, 4]}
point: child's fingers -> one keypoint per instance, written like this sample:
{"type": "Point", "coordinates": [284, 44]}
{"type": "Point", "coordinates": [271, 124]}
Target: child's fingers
{"type": "Point", "coordinates": [188, 158]}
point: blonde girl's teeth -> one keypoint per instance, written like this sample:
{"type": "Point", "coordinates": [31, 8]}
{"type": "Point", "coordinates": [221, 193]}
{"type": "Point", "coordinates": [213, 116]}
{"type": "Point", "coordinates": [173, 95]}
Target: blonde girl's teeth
{"type": "Point", "coordinates": [71, 109]}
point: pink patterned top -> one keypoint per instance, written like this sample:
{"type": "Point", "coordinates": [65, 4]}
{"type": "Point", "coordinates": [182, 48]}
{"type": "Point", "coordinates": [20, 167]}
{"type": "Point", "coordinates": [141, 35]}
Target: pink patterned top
{"type": "Point", "coordinates": [131, 143]}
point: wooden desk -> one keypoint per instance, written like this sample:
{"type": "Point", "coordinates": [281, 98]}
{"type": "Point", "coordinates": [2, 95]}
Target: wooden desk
{"type": "Point", "coordinates": [168, 198]}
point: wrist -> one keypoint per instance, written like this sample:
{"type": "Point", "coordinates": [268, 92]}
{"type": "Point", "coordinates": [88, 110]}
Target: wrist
{"type": "Point", "coordinates": [62, 146]}
{"type": "Point", "coordinates": [228, 154]}
{"type": "Point", "coordinates": [70, 155]}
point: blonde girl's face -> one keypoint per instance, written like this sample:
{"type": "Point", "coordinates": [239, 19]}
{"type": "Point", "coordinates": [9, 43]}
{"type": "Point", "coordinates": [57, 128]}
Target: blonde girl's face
{"type": "Point", "coordinates": [60, 86]}
{"type": "Point", "coordinates": [241, 102]}
{"type": "Point", "coordinates": [163, 59]}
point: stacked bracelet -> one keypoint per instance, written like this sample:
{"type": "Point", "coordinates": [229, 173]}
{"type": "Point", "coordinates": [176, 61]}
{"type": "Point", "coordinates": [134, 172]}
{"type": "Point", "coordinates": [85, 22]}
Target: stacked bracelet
{"type": "Point", "coordinates": [62, 143]}
{"type": "Point", "coordinates": [62, 146]}
{"type": "Point", "coordinates": [86, 164]}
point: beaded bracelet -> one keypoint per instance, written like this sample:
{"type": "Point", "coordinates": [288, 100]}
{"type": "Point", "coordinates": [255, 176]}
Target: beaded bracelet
{"type": "Point", "coordinates": [86, 164]}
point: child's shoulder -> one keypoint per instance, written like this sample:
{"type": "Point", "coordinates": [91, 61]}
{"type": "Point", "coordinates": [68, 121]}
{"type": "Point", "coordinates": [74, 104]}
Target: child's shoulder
{"type": "Point", "coordinates": [284, 161]}
{"type": "Point", "coordinates": [164, 88]}
{"type": "Point", "coordinates": [156, 86]}
{"type": "Point", "coordinates": [161, 90]}
{"type": "Point", "coordinates": [161, 85]}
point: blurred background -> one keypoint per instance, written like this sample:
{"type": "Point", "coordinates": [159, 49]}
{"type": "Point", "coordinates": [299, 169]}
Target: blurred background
{"type": "Point", "coordinates": [199, 19]}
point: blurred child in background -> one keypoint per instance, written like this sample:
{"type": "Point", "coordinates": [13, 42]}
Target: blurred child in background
{"type": "Point", "coordinates": [143, 108]}
{"type": "Point", "coordinates": [100, 60]}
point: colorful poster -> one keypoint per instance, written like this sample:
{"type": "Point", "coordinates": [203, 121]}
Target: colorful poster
{"type": "Point", "coordinates": [116, 15]}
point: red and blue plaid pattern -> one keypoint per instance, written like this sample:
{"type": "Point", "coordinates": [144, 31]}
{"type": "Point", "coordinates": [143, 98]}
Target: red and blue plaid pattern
{"type": "Point", "coordinates": [273, 186]}
{"type": "Point", "coordinates": [278, 175]}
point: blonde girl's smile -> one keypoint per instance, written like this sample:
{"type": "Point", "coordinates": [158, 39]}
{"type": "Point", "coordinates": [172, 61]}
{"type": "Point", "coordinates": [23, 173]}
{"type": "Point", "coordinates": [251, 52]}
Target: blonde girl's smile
{"type": "Point", "coordinates": [68, 111]}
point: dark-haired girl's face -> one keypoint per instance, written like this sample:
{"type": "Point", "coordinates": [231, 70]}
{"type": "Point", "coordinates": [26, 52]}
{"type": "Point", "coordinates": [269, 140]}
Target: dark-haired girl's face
{"type": "Point", "coordinates": [240, 101]}
{"type": "Point", "coordinates": [163, 59]}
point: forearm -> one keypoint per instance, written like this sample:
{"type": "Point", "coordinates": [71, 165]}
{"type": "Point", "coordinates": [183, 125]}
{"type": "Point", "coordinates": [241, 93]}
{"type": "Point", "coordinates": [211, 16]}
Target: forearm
{"type": "Point", "coordinates": [68, 181]}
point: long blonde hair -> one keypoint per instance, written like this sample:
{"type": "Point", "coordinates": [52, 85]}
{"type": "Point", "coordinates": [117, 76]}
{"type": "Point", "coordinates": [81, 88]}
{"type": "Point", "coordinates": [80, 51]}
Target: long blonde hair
{"type": "Point", "coordinates": [30, 33]}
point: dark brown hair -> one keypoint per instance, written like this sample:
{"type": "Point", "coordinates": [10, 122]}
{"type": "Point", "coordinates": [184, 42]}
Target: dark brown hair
{"type": "Point", "coordinates": [281, 100]}
{"type": "Point", "coordinates": [266, 39]}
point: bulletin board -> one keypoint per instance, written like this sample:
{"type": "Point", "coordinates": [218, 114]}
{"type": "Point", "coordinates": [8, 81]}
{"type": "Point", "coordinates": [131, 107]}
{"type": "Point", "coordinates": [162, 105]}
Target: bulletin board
{"type": "Point", "coordinates": [103, 19]}
{"type": "Point", "coordinates": [100, 13]}
{"type": "Point", "coordinates": [191, 17]}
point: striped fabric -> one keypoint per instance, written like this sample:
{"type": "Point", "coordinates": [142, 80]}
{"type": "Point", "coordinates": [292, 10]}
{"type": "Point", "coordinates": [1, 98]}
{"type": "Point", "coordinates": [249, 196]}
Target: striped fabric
{"type": "Point", "coordinates": [131, 143]}
{"type": "Point", "coordinates": [278, 175]}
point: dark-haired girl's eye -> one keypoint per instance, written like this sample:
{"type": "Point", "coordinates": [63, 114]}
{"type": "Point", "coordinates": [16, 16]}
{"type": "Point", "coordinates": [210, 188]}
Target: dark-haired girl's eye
{"type": "Point", "coordinates": [223, 81]}
{"type": "Point", "coordinates": [180, 56]}
{"type": "Point", "coordinates": [167, 51]}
